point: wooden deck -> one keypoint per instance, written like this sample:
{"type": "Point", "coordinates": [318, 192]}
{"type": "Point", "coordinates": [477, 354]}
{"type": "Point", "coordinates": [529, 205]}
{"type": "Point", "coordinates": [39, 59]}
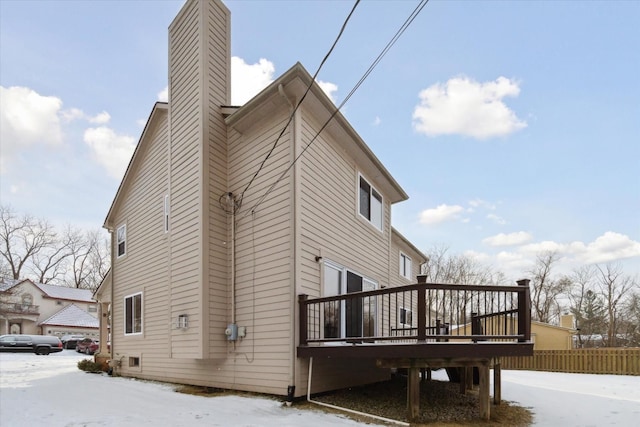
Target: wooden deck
{"type": "Point", "coordinates": [423, 326]}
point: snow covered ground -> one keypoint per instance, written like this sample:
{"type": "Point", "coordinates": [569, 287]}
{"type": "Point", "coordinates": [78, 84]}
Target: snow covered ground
{"type": "Point", "coordinates": [51, 391]}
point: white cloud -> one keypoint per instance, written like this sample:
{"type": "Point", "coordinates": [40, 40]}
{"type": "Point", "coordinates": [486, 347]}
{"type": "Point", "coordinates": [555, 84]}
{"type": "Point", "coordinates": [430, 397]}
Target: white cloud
{"type": "Point", "coordinates": [163, 95]}
{"type": "Point", "coordinates": [466, 107]}
{"type": "Point", "coordinates": [72, 114]}
{"type": "Point", "coordinates": [440, 214]}
{"type": "Point", "coordinates": [100, 119]}
{"type": "Point", "coordinates": [497, 219]}
{"type": "Point", "coordinates": [249, 79]}
{"type": "Point", "coordinates": [511, 239]}
{"type": "Point", "coordinates": [609, 247]}
{"type": "Point", "coordinates": [479, 203]}
{"type": "Point", "coordinates": [328, 88]}
{"type": "Point", "coordinates": [377, 121]}
{"type": "Point", "coordinates": [27, 119]}
{"type": "Point", "coordinates": [110, 150]}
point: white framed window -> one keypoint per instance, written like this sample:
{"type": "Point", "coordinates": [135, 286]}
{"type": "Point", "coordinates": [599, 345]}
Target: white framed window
{"type": "Point", "coordinates": [133, 314]}
{"type": "Point", "coordinates": [166, 213]}
{"type": "Point", "coordinates": [405, 266]}
{"type": "Point", "coordinates": [370, 203]}
{"type": "Point", "coordinates": [406, 316]}
{"type": "Point", "coordinates": [121, 238]}
{"type": "Point", "coordinates": [350, 318]}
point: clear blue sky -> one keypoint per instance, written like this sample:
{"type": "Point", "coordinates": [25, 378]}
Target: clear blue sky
{"type": "Point", "coordinates": [513, 126]}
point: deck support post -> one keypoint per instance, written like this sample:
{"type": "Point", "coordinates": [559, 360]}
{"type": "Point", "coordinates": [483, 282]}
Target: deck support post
{"type": "Point", "coordinates": [462, 373]}
{"type": "Point", "coordinates": [497, 385]}
{"type": "Point", "coordinates": [413, 393]}
{"type": "Point", "coordinates": [485, 398]}
{"type": "Point", "coordinates": [468, 377]}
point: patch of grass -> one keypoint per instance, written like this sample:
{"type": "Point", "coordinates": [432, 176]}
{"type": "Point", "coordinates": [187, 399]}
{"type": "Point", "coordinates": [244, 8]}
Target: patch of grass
{"type": "Point", "coordinates": [89, 365]}
{"type": "Point", "coordinates": [195, 390]}
{"type": "Point", "coordinates": [441, 404]}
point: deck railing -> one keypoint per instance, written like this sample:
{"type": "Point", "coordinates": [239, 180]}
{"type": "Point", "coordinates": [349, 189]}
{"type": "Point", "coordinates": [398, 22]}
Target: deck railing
{"type": "Point", "coordinates": [423, 312]}
{"type": "Point", "coordinates": [15, 308]}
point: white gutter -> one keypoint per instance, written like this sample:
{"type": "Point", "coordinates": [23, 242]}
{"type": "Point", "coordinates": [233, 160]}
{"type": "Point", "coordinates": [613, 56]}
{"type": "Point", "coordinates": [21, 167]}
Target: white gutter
{"type": "Point", "coordinates": [339, 408]}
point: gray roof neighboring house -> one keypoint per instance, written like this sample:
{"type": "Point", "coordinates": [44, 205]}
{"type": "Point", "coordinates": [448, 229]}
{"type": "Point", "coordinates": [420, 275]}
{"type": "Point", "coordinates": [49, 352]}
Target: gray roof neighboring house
{"type": "Point", "coordinates": [72, 316]}
{"type": "Point", "coordinates": [51, 291]}
{"type": "Point", "coordinates": [64, 292]}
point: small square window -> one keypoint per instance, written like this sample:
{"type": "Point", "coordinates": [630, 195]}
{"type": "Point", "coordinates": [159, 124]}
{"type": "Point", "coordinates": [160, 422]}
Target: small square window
{"type": "Point", "coordinates": [406, 316]}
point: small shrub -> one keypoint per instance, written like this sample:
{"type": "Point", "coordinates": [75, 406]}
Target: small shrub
{"type": "Point", "coordinates": [89, 365]}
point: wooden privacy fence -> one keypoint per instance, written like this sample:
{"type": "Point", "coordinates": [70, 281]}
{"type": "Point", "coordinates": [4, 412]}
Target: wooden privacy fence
{"type": "Point", "coordinates": [618, 361]}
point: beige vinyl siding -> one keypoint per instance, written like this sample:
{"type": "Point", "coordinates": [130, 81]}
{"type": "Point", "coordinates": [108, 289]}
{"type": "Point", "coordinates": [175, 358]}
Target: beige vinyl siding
{"type": "Point", "coordinates": [331, 227]}
{"type": "Point", "coordinates": [186, 176]}
{"type": "Point", "coordinates": [217, 77]}
{"type": "Point", "coordinates": [398, 246]}
{"type": "Point", "coordinates": [330, 223]}
{"type": "Point", "coordinates": [263, 256]}
{"type": "Point", "coordinates": [144, 268]}
{"type": "Point", "coordinates": [199, 69]}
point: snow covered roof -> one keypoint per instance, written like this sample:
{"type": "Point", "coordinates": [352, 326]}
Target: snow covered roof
{"type": "Point", "coordinates": [72, 315]}
{"type": "Point", "coordinates": [6, 284]}
{"type": "Point", "coordinates": [64, 292]}
{"type": "Point", "coordinates": [51, 291]}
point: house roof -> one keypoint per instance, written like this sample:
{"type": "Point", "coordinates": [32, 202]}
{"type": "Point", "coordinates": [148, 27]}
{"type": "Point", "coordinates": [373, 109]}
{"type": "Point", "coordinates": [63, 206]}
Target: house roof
{"type": "Point", "coordinates": [103, 288]}
{"type": "Point", "coordinates": [408, 243]}
{"type": "Point", "coordinates": [157, 108]}
{"type": "Point", "coordinates": [549, 325]}
{"type": "Point", "coordinates": [65, 292]}
{"type": "Point", "coordinates": [72, 316]}
{"type": "Point", "coordinates": [293, 83]}
{"type": "Point", "coordinates": [51, 291]}
{"type": "Point", "coordinates": [6, 284]}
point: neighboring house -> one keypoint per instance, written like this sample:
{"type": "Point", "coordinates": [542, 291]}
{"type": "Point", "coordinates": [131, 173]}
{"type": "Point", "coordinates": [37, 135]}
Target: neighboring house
{"type": "Point", "coordinates": [551, 337]}
{"type": "Point", "coordinates": [213, 242]}
{"type": "Point", "coordinates": [37, 308]}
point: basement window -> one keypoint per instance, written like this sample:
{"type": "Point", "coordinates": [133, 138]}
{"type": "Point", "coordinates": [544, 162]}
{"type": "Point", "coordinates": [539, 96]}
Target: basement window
{"type": "Point", "coordinates": [134, 362]}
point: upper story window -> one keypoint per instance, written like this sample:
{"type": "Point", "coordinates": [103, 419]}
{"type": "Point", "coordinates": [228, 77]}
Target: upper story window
{"type": "Point", "coordinates": [405, 266]}
{"type": "Point", "coordinates": [27, 299]}
{"type": "Point", "coordinates": [370, 203]}
{"type": "Point", "coordinates": [121, 236]}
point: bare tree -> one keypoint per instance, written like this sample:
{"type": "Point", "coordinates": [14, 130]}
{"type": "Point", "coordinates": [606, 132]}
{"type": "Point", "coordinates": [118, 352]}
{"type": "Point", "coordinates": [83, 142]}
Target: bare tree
{"type": "Point", "coordinates": [443, 267]}
{"type": "Point", "coordinates": [545, 289]}
{"type": "Point", "coordinates": [89, 259]}
{"type": "Point", "coordinates": [22, 239]}
{"type": "Point", "coordinates": [586, 306]}
{"type": "Point", "coordinates": [31, 248]}
{"type": "Point", "coordinates": [614, 287]}
{"type": "Point", "coordinates": [631, 320]}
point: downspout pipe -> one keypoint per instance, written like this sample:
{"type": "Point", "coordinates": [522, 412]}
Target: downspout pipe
{"type": "Point", "coordinates": [231, 201]}
{"type": "Point", "coordinates": [351, 411]}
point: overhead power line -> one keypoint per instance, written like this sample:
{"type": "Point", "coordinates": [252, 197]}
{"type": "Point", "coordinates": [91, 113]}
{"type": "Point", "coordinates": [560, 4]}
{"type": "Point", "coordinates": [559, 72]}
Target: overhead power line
{"type": "Point", "coordinates": [384, 51]}
{"type": "Point", "coordinates": [275, 144]}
